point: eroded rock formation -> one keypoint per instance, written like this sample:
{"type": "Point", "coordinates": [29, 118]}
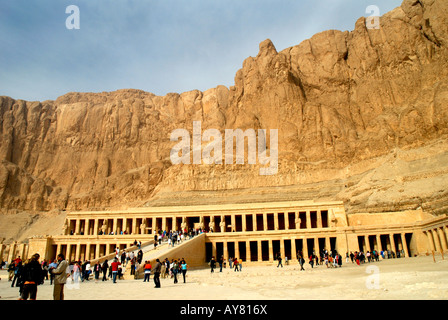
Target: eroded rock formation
{"type": "Point", "coordinates": [362, 116]}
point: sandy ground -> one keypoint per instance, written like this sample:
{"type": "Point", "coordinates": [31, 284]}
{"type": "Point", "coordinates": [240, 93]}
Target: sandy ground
{"type": "Point", "coordinates": [395, 279]}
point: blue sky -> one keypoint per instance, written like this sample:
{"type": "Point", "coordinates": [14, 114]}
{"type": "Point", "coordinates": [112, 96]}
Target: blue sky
{"type": "Point", "coordinates": [158, 46]}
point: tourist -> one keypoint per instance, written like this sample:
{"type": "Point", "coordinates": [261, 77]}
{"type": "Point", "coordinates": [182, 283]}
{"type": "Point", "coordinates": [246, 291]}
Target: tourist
{"type": "Point", "coordinates": [157, 270]}
{"type": "Point", "coordinates": [11, 269]}
{"type": "Point", "coordinates": [221, 261]}
{"type": "Point", "coordinates": [140, 256]}
{"type": "Point", "coordinates": [31, 277]}
{"type": "Point", "coordinates": [339, 260]}
{"type": "Point", "coordinates": [114, 266]}
{"type": "Point", "coordinates": [235, 264]}
{"type": "Point", "coordinates": [240, 264]}
{"type": "Point", "coordinates": [183, 267]}
{"type": "Point", "coordinates": [167, 266]}
{"type": "Point", "coordinates": [104, 268]}
{"type": "Point", "coordinates": [163, 270]}
{"type": "Point", "coordinates": [97, 270]}
{"type": "Point", "coordinates": [17, 271]}
{"type": "Point", "coordinates": [175, 270]}
{"type": "Point", "coordinates": [60, 277]}
{"type": "Point", "coordinates": [279, 259]}
{"type": "Point", "coordinates": [123, 257]}
{"type": "Point", "coordinates": [301, 262]}
{"type": "Point", "coordinates": [51, 266]}
{"type": "Point", "coordinates": [44, 270]}
{"type": "Point", "coordinates": [311, 262]}
{"type": "Point", "coordinates": [212, 265]}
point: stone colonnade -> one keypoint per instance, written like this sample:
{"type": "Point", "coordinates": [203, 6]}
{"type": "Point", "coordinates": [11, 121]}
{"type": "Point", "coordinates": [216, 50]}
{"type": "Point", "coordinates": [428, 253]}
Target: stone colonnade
{"type": "Point", "coordinates": [437, 237]}
{"type": "Point", "coordinates": [231, 222]}
{"type": "Point", "coordinates": [253, 232]}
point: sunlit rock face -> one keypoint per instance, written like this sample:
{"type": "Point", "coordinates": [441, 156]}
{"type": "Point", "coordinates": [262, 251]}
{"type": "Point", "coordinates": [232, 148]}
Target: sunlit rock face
{"type": "Point", "coordinates": [362, 117]}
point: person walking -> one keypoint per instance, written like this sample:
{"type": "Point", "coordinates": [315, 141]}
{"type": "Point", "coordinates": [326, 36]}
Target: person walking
{"type": "Point", "coordinates": [97, 270]}
{"type": "Point", "coordinates": [60, 277]}
{"type": "Point", "coordinates": [31, 277]}
{"type": "Point", "coordinates": [17, 271]}
{"type": "Point", "coordinates": [235, 264]}
{"type": "Point", "coordinates": [279, 259]}
{"type": "Point", "coordinates": [183, 267]}
{"type": "Point", "coordinates": [114, 266]}
{"type": "Point", "coordinates": [157, 270]}
{"type": "Point", "coordinates": [105, 268]}
{"type": "Point", "coordinates": [147, 267]}
{"type": "Point", "coordinates": [301, 262]}
{"type": "Point", "coordinates": [221, 261]}
{"type": "Point", "coordinates": [175, 270]}
{"type": "Point", "coordinates": [212, 265]}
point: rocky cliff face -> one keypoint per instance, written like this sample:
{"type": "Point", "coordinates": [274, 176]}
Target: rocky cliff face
{"type": "Point", "coordinates": [362, 116]}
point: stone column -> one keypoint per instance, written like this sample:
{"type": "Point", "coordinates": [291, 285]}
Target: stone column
{"type": "Point", "coordinates": [214, 250]}
{"type": "Point", "coordinates": [392, 243]}
{"type": "Point", "coordinates": [305, 249]}
{"type": "Point", "coordinates": [232, 222]}
{"type": "Point", "coordinates": [430, 240]}
{"type": "Point", "coordinates": [276, 221]}
{"type": "Point", "coordinates": [265, 221]}
{"type": "Point", "coordinates": [97, 251]}
{"type": "Point", "coordinates": [271, 251]}
{"type": "Point", "coordinates": [319, 219]}
{"type": "Point", "coordinates": [286, 215]}
{"type": "Point", "coordinates": [282, 248]}
{"type": "Point", "coordinates": [153, 224]}
{"type": "Point", "coordinates": [78, 251]}
{"type": "Point", "coordinates": [442, 237]}
{"type": "Point", "coordinates": [88, 251]}
{"type": "Point", "coordinates": [378, 243]}
{"type": "Point", "coordinates": [367, 242]}
{"type": "Point", "coordinates": [316, 247]}
{"type": "Point", "coordinates": [248, 253]}
{"type": "Point", "coordinates": [243, 222]}
{"type": "Point", "coordinates": [69, 252]}
{"type": "Point", "coordinates": [254, 221]}
{"type": "Point", "coordinates": [115, 225]}
{"type": "Point", "coordinates": [95, 227]}
{"type": "Point", "coordinates": [78, 226]}
{"type": "Point", "coordinates": [174, 224]}
{"type": "Point", "coordinates": [164, 224]}
{"type": "Point", "coordinates": [125, 225]}
{"type": "Point", "coordinates": [259, 252]}
{"type": "Point", "coordinates": [404, 244]}
{"type": "Point", "coordinates": [226, 252]}
{"type": "Point", "coordinates": [293, 249]}
{"type": "Point", "coordinates": [237, 250]}
{"type": "Point", "coordinates": [308, 220]}
{"type": "Point", "coordinates": [327, 244]}
{"type": "Point", "coordinates": [58, 250]}
{"type": "Point", "coordinates": [436, 240]}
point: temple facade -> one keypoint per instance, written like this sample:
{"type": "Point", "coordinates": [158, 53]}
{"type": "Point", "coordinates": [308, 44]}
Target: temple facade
{"type": "Point", "coordinates": [254, 232]}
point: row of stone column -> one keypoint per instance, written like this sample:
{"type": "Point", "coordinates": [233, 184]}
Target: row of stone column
{"type": "Point", "coordinates": [304, 250]}
{"type": "Point", "coordinates": [140, 225]}
{"type": "Point", "coordinates": [391, 243]}
{"type": "Point", "coordinates": [83, 252]}
{"type": "Point", "coordinates": [437, 238]}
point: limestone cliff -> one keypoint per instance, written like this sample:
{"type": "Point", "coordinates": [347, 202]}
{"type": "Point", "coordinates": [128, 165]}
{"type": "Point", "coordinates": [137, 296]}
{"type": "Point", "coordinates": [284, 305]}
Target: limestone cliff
{"type": "Point", "coordinates": [362, 116]}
